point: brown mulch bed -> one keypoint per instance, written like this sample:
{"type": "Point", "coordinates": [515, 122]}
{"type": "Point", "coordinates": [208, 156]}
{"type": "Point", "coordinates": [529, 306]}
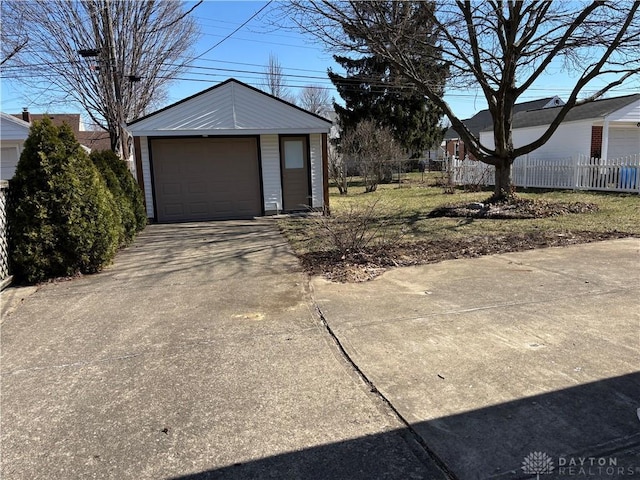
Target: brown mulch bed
{"type": "Point", "coordinates": [518, 208]}
{"type": "Point", "coordinates": [372, 262]}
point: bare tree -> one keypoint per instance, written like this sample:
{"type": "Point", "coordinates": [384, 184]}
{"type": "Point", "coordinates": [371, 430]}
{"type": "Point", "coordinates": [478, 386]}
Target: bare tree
{"type": "Point", "coordinates": [339, 169]}
{"type": "Point", "coordinates": [501, 47]}
{"type": "Point", "coordinates": [274, 81]}
{"type": "Point", "coordinates": [114, 58]}
{"type": "Point", "coordinates": [315, 99]}
{"type": "Point", "coordinates": [372, 150]}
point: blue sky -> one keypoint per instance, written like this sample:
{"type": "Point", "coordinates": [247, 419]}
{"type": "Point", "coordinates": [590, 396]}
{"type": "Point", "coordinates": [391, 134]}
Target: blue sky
{"type": "Point", "coordinates": [246, 52]}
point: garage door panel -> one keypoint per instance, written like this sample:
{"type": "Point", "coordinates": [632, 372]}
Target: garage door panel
{"type": "Point", "coordinates": [174, 209]}
{"type": "Point", "coordinates": [201, 208]}
{"type": "Point", "coordinates": [171, 189]}
{"type": "Point", "coordinates": [226, 209]}
{"type": "Point", "coordinates": [197, 188]}
{"type": "Point", "coordinates": [206, 179]}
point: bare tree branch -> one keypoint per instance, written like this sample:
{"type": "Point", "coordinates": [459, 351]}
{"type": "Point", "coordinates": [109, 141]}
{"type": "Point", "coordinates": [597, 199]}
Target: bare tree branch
{"type": "Point", "coordinates": [500, 46]}
{"type": "Point", "coordinates": [140, 46]}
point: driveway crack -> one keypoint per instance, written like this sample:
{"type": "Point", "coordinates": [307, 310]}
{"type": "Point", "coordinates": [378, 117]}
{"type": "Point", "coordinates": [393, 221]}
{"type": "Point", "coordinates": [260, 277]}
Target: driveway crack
{"type": "Point", "coordinates": [374, 390]}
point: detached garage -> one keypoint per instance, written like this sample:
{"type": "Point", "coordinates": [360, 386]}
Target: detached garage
{"type": "Point", "coordinates": [230, 152]}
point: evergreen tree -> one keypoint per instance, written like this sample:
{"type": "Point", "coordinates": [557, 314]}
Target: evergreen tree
{"type": "Point", "coordinates": [373, 90]}
{"type": "Point", "coordinates": [62, 219]}
{"type": "Point", "coordinates": [125, 192]}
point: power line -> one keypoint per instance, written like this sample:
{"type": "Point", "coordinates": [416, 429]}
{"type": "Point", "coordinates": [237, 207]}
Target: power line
{"type": "Point", "coordinates": [236, 30]}
{"type": "Point", "coordinates": [261, 65]}
{"type": "Point", "coordinates": [236, 70]}
{"type": "Point", "coordinates": [270, 33]}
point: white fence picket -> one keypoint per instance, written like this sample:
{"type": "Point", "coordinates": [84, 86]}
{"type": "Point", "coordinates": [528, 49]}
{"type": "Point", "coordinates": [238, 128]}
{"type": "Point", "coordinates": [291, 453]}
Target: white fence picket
{"type": "Point", "coordinates": [579, 172]}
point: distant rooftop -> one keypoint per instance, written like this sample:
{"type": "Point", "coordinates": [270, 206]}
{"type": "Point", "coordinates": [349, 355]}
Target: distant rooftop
{"type": "Point", "coordinates": [94, 139]}
{"type": "Point", "coordinates": [482, 120]}
{"type": "Point", "coordinates": [595, 109]}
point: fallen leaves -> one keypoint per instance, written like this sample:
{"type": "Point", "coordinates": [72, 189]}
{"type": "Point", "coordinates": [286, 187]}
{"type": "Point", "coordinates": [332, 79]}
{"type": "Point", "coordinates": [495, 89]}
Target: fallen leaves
{"type": "Point", "coordinates": [373, 261]}
{"type": "Point", "coordinates": [519, 208]}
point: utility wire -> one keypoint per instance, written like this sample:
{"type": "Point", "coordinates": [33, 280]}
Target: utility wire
{"type": "Point", "coordinates": [235, 31]}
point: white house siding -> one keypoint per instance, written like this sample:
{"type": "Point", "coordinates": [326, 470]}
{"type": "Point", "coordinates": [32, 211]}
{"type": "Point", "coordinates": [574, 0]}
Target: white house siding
{"type": "Point", "coordinates": [146, 175]}
{"type": "Point", "coordinates": [317, 188]}
{"type": "Point", "coordinates": [623, 141]}
{"type": "Point", "coordinates": [569, 139]}
{"type": "Point", "coordinates": [9, 157]}
{"type": "Point", "coordinates": [486, 139]}
{"type": "Point", "coordinates": [13, 133]}
{"type": "Point", "coordinates": [270, 158]}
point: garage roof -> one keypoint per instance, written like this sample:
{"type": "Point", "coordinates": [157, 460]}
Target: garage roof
{"type": "Point", "coordinates": [230, 108]}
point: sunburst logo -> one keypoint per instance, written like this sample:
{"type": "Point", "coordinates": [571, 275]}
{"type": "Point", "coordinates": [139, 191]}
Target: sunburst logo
{"type": "Point", "coordinates": [537, 463]}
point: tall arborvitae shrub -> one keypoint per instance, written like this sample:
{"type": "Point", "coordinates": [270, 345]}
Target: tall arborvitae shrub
{"type": "Point", "coordinates": [129, 188]}
{"type": "Point", "coordinates": [62, 219]}
{"type": "Point", "coordinates": [125, 207]}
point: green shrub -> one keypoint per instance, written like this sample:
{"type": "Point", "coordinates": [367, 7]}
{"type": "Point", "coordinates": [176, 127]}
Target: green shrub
{"type": "Point", "coordinates": [102, 160]}
{"type": "Point", "coordinates": [127, 188]}
{"type": "Point", "coordinates": [62, 219]}
{"type": "Point", "coordinates": [131, 189]}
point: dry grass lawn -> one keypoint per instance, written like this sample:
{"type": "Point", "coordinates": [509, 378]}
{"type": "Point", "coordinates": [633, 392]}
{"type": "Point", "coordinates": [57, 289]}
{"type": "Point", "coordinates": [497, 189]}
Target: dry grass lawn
{"type": "Point", "coordinates": [399, 223]}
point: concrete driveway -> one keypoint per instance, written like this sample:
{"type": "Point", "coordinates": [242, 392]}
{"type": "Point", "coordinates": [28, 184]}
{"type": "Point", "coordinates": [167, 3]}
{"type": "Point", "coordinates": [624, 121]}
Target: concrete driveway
{"type": "Point", "coordinates": [198, 354]}
{"type": "Point", "coordinates": [510, 365]}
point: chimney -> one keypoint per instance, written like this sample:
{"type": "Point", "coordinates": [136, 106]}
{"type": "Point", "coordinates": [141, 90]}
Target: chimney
{"type": "Point", "coordinates": [25, 115]}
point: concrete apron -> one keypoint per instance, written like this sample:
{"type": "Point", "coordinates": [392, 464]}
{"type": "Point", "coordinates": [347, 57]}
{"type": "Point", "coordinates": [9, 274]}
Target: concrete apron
{"type": "Point", "coordinates": [198, 354]}
{"type": "Point", "coordinates": [507, 366]}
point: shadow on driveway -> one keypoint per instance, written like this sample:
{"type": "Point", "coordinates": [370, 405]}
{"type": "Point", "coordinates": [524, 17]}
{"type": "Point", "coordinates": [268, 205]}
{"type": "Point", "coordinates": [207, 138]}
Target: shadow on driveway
{"type": "Point", "coordinates": [491, 442]}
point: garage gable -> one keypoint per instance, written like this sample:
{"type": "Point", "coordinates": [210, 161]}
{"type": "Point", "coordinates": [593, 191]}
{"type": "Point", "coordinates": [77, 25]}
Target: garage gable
{"type": "Point", "coordinates": [230, 108]}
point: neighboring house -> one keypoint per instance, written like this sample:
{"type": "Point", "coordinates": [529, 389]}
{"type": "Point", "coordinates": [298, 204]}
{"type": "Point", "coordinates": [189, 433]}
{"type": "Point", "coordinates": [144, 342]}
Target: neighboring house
{"type": "Point", "coordinates": [231, 151]}
{"type": "Point", "coordinates": [454, 146]}
{"type": "Point", "coordinates": [92, 139]}
{"type": "Point", "coordinates": [13, 133]}
{"type": "Point", "coordinates": [15, 130]}
{"type": "Point", "coordinates": [608, 128]}
{"type": "Point", "coordinates": [434, 157]}
{"type": "Point", "coordinates": [334, 134]}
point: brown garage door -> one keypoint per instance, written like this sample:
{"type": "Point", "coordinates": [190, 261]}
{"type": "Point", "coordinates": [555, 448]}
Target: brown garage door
{"type": "Point", "coordinates": [206, 178]}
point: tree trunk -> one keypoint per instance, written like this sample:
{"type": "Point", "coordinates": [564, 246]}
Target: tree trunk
{"type": "Point", "coordinates": [503, 190]}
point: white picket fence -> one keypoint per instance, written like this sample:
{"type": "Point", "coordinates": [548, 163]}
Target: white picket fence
{"type": "Point", "coordinates": [579, 173]}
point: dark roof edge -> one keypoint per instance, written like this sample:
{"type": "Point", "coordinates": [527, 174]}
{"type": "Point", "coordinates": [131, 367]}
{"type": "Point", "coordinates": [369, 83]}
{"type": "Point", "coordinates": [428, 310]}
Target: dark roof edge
{"type": "Point", "coordinates": [635, 95]}
{"type": "Point", "coordinates": [229, 80]}
{"type": "Point", "coordinates": [632, 98]}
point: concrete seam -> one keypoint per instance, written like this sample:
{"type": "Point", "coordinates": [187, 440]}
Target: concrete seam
{"type": "Point", "coordinates": [372, 388]}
